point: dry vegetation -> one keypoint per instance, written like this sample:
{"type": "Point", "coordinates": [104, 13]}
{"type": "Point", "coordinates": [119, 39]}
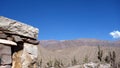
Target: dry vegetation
{"type": "Point", "coordinates": [67, 57]}
{"type": "Point", "coordinates": [77, 55]}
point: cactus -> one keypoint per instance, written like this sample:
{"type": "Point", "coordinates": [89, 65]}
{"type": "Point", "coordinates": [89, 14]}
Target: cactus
{"type": "Point", "coordinates": [107, 59]}
{"type": "Point", "coordinates": [100, 53]}
{"type": "Point", "coordinates": [112, 58]}
{"type": "Point", "coordinates": [49, 64]}
{"type": "Point", "coordinates": [74, 61]}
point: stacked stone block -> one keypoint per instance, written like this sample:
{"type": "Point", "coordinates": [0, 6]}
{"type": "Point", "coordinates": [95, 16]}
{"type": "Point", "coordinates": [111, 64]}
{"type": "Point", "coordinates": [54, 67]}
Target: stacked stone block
{"type": "Point", "coordinates": [18, 44]}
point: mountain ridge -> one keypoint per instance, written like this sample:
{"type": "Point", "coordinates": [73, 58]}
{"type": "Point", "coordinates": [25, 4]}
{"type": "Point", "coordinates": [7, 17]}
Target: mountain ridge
{"type": "Point", "coordinates": [61, 44]}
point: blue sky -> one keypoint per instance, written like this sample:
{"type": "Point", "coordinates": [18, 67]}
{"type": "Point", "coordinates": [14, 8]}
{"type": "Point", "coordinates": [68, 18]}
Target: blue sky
{"type": "Point", "coordinates": [66, 19]}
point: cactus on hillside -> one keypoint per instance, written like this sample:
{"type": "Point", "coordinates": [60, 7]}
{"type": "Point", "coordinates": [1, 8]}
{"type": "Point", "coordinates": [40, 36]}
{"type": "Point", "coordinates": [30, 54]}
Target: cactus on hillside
{"type": "Point", "coordinates": [114, 56]}
{"type": "Point", "coordinates": [50, 64]}
{"type": "Point", "coordinates": [100, 53]}
{"type": "Point", "coordinates": [74, 61]}
{"type": "Point", "coordinates": [111, 58]}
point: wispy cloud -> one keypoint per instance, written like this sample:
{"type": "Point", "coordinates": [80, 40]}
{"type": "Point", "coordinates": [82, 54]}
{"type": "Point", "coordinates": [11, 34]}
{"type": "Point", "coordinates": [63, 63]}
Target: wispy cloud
{"type": "Point", "coordinates": [115, 34]}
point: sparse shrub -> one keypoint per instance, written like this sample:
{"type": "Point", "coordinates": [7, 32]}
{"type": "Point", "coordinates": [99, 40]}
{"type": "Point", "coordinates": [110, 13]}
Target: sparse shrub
{"type": "Point", "coordinates": [40, 63]}
{"type": "Point", "coordinates": [74, 61]}
{"type": "Point", "coordinates": [85, 59]}
{"type": "Point", "coordinates": [58, 64]}
{"type": "Point", "coordinates": [61, 63]}
{"type": "Point", "coordinates": [50, 64]}
{"type": "Point", "coordinates": [100, 53]}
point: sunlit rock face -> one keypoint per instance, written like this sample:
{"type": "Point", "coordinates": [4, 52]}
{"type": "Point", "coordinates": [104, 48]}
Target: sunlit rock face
{"type": "Point", "coordinates": [16, 59]}
{"type": "Point", "coordinates": [29, 55]}
{"type": "Point", "coordinates": [18, 44]}
{"type": "Point", "coordinates": [18, 27]}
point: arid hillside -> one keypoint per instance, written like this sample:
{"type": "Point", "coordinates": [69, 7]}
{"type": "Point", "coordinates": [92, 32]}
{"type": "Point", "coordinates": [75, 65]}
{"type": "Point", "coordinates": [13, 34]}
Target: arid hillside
{"type": "Point", "coordinates": [55, 44]}
{"type": "Point", "coordinates": [82, 50]}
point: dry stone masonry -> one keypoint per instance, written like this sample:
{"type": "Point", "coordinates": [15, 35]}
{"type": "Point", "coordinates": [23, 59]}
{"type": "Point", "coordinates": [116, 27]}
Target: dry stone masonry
{"type": "Point", "coordinates": [18, 44]}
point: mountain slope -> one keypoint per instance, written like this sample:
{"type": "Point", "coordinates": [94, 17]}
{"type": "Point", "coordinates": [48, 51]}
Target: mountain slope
{"type": "Point", "coordinates": [67, 50]}
{"type": "Point", "coordinates": [54, 44]}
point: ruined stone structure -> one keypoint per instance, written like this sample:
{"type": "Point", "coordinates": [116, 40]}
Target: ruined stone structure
{"type": "Point", "coordinates": [18, 44]}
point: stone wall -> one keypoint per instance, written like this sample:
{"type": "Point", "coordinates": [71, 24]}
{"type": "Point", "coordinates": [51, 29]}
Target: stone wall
{"type": "Point", "coordinates": [18, 44]}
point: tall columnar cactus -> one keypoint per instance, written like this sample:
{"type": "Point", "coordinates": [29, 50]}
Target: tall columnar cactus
{"type": "Point", "coordinates": [110, 58]}
{"type": "Point", "coordinates": [74, 61]}
{"type": "Point", "coordinates": [100, 53]}
{"type": "Point", "coordinates": [114, 56]}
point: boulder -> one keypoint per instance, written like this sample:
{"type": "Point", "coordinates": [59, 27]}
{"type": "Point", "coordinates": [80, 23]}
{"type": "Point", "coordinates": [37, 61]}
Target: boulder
{"type": "Point", "coordinates": [19, 28]}
{"type": "Point", "coordinates": [91, 65]}
{"type": "Point", "coordinates": [76, 66]}
{"type": "Point", "coordinates": [105, 66]}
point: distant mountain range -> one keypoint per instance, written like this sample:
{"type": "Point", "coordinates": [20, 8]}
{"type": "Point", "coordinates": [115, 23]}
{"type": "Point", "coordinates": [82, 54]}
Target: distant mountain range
{"type": "Point", "coordinates": [66, 50]}
{"type": "Point", "coordinates": [55, 44]}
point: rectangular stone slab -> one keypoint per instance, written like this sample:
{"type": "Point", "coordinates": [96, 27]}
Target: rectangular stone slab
{"type": "Point", "coordinates": [5, 54]}
{"type": "Point", "coordinates": [11, 43]}
{"type": "Point", "coordinates": [19, 28]}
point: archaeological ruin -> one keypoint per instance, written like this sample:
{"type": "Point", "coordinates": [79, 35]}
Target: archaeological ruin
{"type": "Point", "coordinates": [18, 44]}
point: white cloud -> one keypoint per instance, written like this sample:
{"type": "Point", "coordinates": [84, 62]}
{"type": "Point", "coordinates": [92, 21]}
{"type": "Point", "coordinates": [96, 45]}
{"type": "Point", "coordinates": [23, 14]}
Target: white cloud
{"type": "Point", "coordinates": [115, 34]}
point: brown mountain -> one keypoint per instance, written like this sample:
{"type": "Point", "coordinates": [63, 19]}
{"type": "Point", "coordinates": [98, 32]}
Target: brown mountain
{"type": "Point", "coordinates": [66, 50]}
{"type": "Point", "coordinates": [55, 44]}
